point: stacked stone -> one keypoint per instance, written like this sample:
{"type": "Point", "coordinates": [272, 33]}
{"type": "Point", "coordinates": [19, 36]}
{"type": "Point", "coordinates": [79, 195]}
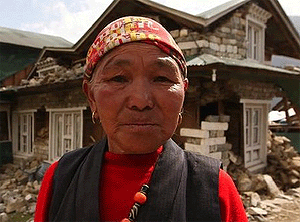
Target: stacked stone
{"type": "Point", "coordinates": [41, 143]}
{"type": "Point", "coordinates": [227, 40]}
{"type": "Point", "coordinates": [210, 140]}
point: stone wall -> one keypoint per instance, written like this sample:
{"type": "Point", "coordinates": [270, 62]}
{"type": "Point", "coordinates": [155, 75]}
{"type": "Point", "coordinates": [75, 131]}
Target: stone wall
{"type": "Point", "coordinates": [228, 39]}
{"type": "Point", "coordinates": [67, 97]}
{"type": "Point", "coordinates": [210, 139]}
{"type": "Point", "coordinates": [253, 89]}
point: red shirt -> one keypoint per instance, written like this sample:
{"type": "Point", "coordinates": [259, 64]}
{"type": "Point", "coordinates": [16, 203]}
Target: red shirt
{"type": "Point", "coordinates": [122, 176]}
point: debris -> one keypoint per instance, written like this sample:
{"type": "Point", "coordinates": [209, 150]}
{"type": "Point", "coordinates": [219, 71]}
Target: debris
{"type": "Point", "coordinates": [19, 186]}
{"type": "Point", "coordinates": [257, 211]}
{"type": "Point", "coordinates": [271, 185]}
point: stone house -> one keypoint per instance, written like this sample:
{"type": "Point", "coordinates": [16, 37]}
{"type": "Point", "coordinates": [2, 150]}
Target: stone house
{"type": "Point", "coordinates": [19, 51]}
{"type": "Point", "coordinates": [232, 83]}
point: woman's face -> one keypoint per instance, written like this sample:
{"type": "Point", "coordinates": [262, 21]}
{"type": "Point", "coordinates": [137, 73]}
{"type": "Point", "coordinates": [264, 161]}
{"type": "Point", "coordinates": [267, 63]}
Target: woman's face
{"type": "Point", "coordinates": [137, 92]}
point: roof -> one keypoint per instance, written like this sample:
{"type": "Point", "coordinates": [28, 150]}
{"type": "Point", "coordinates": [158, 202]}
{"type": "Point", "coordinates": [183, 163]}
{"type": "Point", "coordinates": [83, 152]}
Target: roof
{"type": "Point", "coordinates": [31, 39]}
{"type": "Point", "coordinates": [282, 32]}
{"type": "Point", "coordinates": [15, 58]}
{"type": "Point", "coordinates": [208, 59]}
{"type": "Point", "coordinates": [228, 68]}
{"type": "Point", "coordinates": [216, 11]}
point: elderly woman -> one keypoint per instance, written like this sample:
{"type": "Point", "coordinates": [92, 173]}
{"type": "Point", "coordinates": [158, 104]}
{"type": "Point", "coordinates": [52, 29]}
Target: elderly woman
{"type": "Point", "coordinates": [135, 81]}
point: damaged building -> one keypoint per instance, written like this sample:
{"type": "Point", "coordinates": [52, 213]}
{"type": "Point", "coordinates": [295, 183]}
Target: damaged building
{"type": "Point", "coordinates": [232, 83]}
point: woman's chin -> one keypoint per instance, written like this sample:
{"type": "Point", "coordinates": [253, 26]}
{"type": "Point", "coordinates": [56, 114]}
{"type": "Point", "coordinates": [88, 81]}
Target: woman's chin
{"type": "Point", "coordinates": [133, 144]}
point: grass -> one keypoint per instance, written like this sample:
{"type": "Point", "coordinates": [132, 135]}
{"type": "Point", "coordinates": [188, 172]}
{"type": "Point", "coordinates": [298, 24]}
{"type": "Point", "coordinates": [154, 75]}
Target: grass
{"type": "Point", "coordinates": [19, 217]}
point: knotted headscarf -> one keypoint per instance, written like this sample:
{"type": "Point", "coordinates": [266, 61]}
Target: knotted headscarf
{"type": "Point", "coordinates": [133, 29]}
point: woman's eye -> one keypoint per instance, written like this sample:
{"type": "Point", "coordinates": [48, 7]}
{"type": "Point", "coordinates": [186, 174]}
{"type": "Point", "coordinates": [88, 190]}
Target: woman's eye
{"type": "Point", "coordinates": [119, 79]}
{"type": "Point", "coordinates": [161, 79]}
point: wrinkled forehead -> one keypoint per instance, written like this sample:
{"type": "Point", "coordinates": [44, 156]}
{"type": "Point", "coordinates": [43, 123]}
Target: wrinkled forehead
{"type": "Point", "coordinates": [133, 54]}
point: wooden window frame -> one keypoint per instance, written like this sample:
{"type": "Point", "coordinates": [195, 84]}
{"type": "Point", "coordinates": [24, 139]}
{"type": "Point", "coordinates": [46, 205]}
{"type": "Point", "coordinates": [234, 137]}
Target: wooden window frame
{"type": "Point", "coordinates": [260, 46]}
{"type": "Point", "coordinates": [264, 106]}
{"type": "Point", "coordinates": [19, 147]}
{"type": "Point", "coordinates": [54, 154]}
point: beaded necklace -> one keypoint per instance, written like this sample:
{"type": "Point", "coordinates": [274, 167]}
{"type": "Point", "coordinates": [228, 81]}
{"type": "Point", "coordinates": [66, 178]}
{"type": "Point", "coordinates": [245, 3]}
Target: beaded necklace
{"type": "Point", "coordinates": [140, 198]}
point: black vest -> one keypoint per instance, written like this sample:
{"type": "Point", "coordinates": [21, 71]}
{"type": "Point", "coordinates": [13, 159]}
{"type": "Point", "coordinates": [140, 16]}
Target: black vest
{"type": "Point", "coordinates": [184, 186]}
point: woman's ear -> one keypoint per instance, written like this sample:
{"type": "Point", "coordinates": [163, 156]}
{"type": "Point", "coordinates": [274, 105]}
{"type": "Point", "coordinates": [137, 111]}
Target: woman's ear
{"type": "Point", "coordinates": [186, 84]}
{"type": "Point", "coordinates": [87, 89]}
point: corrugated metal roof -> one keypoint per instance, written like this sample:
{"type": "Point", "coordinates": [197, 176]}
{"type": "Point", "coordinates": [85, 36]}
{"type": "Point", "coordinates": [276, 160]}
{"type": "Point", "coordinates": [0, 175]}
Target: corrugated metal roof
{"type": "Point", "coordinates": [31, 39]}
{"type": "Point", "coordinates": [208, 59]}
{"type": "Point", "coordinates": [219, 9]}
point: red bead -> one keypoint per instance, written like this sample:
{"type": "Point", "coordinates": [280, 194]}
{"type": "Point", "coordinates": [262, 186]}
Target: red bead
{"type": "Point", "coordinates": [140, 198]}
{"type": "Point", "coordinates": [125, 220]}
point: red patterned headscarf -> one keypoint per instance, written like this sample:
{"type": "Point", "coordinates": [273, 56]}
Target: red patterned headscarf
{"type": "Point", "coordinates": [132, 29]}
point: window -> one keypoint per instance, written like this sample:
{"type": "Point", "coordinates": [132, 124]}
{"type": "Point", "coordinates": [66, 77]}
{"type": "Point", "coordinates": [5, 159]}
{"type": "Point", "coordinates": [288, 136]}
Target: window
{"type": "Point", "coordinates": [255, 31]}
{"type": "Point", "coordinates": [256, 41]}
{"type": "Point", "coordinates": [23, 132]}
{"type": "Point", "coordinates": [66, 131]}
{"type": "Point", "coordinates": [255, 133]}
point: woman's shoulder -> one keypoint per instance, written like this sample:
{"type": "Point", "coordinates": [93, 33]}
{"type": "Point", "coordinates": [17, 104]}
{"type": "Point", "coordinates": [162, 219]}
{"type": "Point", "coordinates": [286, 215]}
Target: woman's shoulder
{"type": "Point", "coordinates": [199, 160]}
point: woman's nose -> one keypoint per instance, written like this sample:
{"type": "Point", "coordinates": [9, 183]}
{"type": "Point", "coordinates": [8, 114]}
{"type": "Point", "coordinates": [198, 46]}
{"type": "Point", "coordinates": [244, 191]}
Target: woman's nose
{"type": "Point", "coordinates": [140, 96]}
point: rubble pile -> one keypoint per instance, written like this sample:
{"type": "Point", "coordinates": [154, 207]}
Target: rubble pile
{"type": "Point", "coordinates": [19, 186]}
{"type": "Point", "coordinates": [283, 162]}
{"type": "Point", "coordinates": [50, 72]}
{"type": "Point", "coordinates": [265, 194]}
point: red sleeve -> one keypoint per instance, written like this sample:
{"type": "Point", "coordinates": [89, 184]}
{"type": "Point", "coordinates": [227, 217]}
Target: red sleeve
{"type": "Point", "coordinates": [231, 205]}
{"type": "Point", "coordinates": [45, 194]}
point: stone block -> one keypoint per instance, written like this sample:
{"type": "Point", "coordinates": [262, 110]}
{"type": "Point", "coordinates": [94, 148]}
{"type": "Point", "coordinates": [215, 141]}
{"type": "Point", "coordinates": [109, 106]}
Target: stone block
{"type": "Point", "coordinates": [225, 41]}
{"type": "Point", "coordinates": [225, 155]}
{"type": "Point", "coordinates": [229, 48]}
{"type": "Point", "coordinates": [244, 183]}
{"type": "Point", "coordinates": [215, 39]}
{"type": "Point", "coordinates": [194, 140]}
{"type": "Point", "coordinates": [213, 141]}
{"type": "Point", "coordinates": [203, 149]}
{"type": "Point", "coordinates": [225, 29]}
{"type": "Point", "coordinates": [225, 162]}
{"type": "Point", "coordinates": [256, 211]}
{"type": "Point", "coordinates": [217, 155]}
{"type": "Point", "coordinates": [271, 185]}
{"type": "Point", "coordinates": [214, 46]}
{"type": "Point", "coordinates": [220, 133]}
{"type": "Point", "coordinates": [184, 32]}
{"type": "Point", "coordinates": [213, 148]}
{"type": "Point", "coordinates": [214, 126]}
{"type": "Point", "coordinates": [4, 217]}
{"type": "Point", "coordinates": [14, 204]}
{"type": "Point", "coordinates": [224, 118]}
{"type": "Point", "coordinates": [196, 133]}
{"type": "Point", "coordinates": [202, 43]}
{"type": "Point", "coordinates": [224, 147]}
{"type": "Point", "coordinates": [212, 118]}
{"type": "Point", "coordinates": [254, 199]}
{"type": "Point", "coordinates": [232, 41]}
{"type": "Point", "coordinates": [175, 33]}
{"type": "Point", "coordinates": [222, 48]}
{"type": "Point", "coordinates": [213, 133]}
{"type": "Point", "coordinates": [235, 49]}
{"type": "Point", "coordinates": [187, 45]}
